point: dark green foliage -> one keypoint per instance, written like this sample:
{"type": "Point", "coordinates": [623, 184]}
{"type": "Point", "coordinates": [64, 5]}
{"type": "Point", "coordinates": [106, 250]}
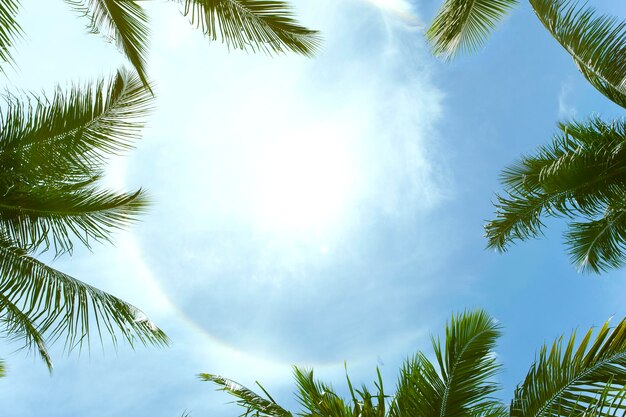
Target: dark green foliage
{"type": "Point", "coordinates": [463, 25]}
{"type": "Point", "coordinates": [567, 380]}
{"type": "Point", "coordinates": [52, 152]}
{"type": "Point", "coordinates": [581, 176]}
{"type": "Point", "coordinates": [9, 28]}
{"type": "Point", "coordinates": [597, 43]}
{"type": "Point", "coordinates": [252, 25]}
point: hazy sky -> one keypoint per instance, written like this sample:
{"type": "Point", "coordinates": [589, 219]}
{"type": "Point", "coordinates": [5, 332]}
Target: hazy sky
{"type": "Point", "coordinates": [313, 211]}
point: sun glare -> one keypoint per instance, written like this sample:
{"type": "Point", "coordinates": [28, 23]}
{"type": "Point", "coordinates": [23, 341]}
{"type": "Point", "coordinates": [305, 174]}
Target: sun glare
{"type": "Point", "coordinates": [304, 182]}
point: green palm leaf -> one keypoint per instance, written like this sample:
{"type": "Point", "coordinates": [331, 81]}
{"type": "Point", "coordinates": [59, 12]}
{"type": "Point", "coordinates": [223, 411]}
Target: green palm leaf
{"type": "Point", "coordinates": [580, 175]}
{"type": "Point", "coordinates": [34, 216]}
{"type": "Point", "coordinates": [467, 363]}
{"type": "Point", "coordinates": [253, 403]}
{"type": "Point", "coordinates": [37, 300]}
{"type": "Point", "coordinates": [596, 43]}
{"type": "Point", "coordinates": [568, 380]}
{"type": "Point", "coordinates": [19, 326]}
{"type": "Point", "coordinates": [318, 398]}
{"type": "Point", "coordinates": [69, 137]}
{"type": "Point", "coordinates": [464, 25]}
{"type": "Point", "coordinates": [124, 22]}
{"type": "Point", "coordinates": [9, 28]}
{"type": "Point", "coordinates": [599, 245]}
{"type": "Point", "coordinates": [53, 152]}
{"type": "Point", "coordinates": [3, 371]}
{"type": "Point", "coordinates": [254, 25]}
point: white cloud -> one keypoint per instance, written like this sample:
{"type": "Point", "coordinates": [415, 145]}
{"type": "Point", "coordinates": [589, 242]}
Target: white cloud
{"type": "Point", "coordinates": [566, 109]}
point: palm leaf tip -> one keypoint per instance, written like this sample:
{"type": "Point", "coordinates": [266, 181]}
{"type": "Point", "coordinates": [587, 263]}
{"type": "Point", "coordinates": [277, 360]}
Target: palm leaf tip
{"type": "Point", "coordinates": [10, 30]}
{"type": "Point", "coordinates": [252, 25]}
{"type": "Point", "coordinates": [246, 398]}
{"type": "Point", "coordinates": [125, 23]}
{"type": "Point", "coordinates": [576, 380]}
{"type": "Point", "coordinates": [464, 25]}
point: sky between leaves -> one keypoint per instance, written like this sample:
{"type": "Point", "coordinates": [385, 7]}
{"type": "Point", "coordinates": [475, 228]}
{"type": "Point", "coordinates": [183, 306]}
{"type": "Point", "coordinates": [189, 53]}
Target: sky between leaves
{"type": "Point", "coordinates": [311, 211]}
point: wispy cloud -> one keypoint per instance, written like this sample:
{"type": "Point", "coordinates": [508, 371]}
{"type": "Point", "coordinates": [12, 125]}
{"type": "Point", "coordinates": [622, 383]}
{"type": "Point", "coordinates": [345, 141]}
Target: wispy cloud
{"type": "Point", "coordinates": [566, 109]}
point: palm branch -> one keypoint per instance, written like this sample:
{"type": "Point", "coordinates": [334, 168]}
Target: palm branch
{"type": "Point", "coordinates": [53, 152]}
{"type": "Point", "coordinates": [597, 43]}
{"type": "Point", "coordinates": [466, 367]}
{"type": "Point", "coordinates": [463, 25]}
{"type": "Point", "coordinates": [253, 403]}
{"type": "Point", "coordinates": [41, 304]}
{"type": "Point", "coordinates": [580, 175]}
{"type": "Point", "coordinates": [463, 387]}
{"type": "Point", "coordinates": [588, 380]}
{"type": "Point", "coordinates": [9, 28]}
{"type": "Point", "coordinates": [254, 25]}
{"type": "Point", "coordinates": [569, 380]}
{"type": "Point", "coordinates": [122, 21]}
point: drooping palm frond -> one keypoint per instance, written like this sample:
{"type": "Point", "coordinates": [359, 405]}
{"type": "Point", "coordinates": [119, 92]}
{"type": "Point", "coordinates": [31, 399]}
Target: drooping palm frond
{"type": "Point", "coordinates": [253, 403]}
{"type": "Point", "coordinates": [597, 43]}
{"type": "Point", "coordinates": [3, 371]}
{"type": "Point", "coordinates": [122, 21]}
{"type": "Point", "coordinates": [51, 154]}
{"type": "Point", "coordinates": [17, 325]}
{"type": "Point", "coordinates": [580, 175]}
{"type": "Point", "coordinates": [569, 380]}
{"type": "Point", "coordinates": [39, 304]}
{"type": "Point", "coordinates": [252, 25]}
{"type": "Point", "coordinates": [10, 30]}
{"type": "Point", "coordinates": [464, 25]}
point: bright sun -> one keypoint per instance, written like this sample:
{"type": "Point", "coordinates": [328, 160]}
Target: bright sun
{"type": "Point", "coordinates": [303, 182]}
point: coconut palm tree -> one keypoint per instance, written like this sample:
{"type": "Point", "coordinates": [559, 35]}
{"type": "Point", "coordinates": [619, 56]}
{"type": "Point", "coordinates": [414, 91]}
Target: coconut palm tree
{"type": "Point", "coordinates": [566, 379]}
{"type": "Point", "coordinates": [578, 176]}
{"type": "Point", "coordinates": [250, 25]}
{"type": "Point", "coordinates": [52, 153]}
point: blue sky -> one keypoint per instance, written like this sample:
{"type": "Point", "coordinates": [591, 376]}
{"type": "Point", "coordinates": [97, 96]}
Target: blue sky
{"type": "Point", "coordinates": [314, 211]}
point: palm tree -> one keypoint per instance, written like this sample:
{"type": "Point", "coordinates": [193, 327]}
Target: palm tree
{"type": "Point", "coordinates": [579, 175]}
{"type": "Point", "coordinates": [52, 153]}
{"type": "Point", "coordinates": [565, 380]}
{"type": "Point", "coordinates": [250, 25]}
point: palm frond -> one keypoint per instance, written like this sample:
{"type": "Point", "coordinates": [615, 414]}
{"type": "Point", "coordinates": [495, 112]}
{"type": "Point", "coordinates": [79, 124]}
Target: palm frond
{"type": "Point", "coordinates": [51, 155]}
{"type": "Point", "coordinates": [51, 218]}
{"type": "Point", "coordinates": [599, 245]}
{"type": "Point", "coordinates": [463, 385]}
{"type": "Point", "coordinates": [467, 363]}
{"type": "Point", "coordinates": [567, 380]}
{"type": "Point", "coordinates": [69, 137]}
{"type": "Point", "coordinates": [464, 25]}
{"type": "Point", "coordinates": [252, 25]}
{"type": "Point", "coordinates": [318, 398]}
{"type": "Point", "coordinates": [10, 30]}
{"type": "Point", "coordinates": [37, 301]}
{"type": "Point", "coordinates": [419, 388]}
{"type": "Point", "coordinates": [581, 173]}
{"type": "Point", "coordinates": [253, 403]}
{"type": "Point", "coordinates": [597, 43]}
{"type": "Point", "coordinates": [122, 21]}
{"type": "Point", "coordinates": [3, 371]}
{"type": "Point", "coordinates": [19, 326]}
